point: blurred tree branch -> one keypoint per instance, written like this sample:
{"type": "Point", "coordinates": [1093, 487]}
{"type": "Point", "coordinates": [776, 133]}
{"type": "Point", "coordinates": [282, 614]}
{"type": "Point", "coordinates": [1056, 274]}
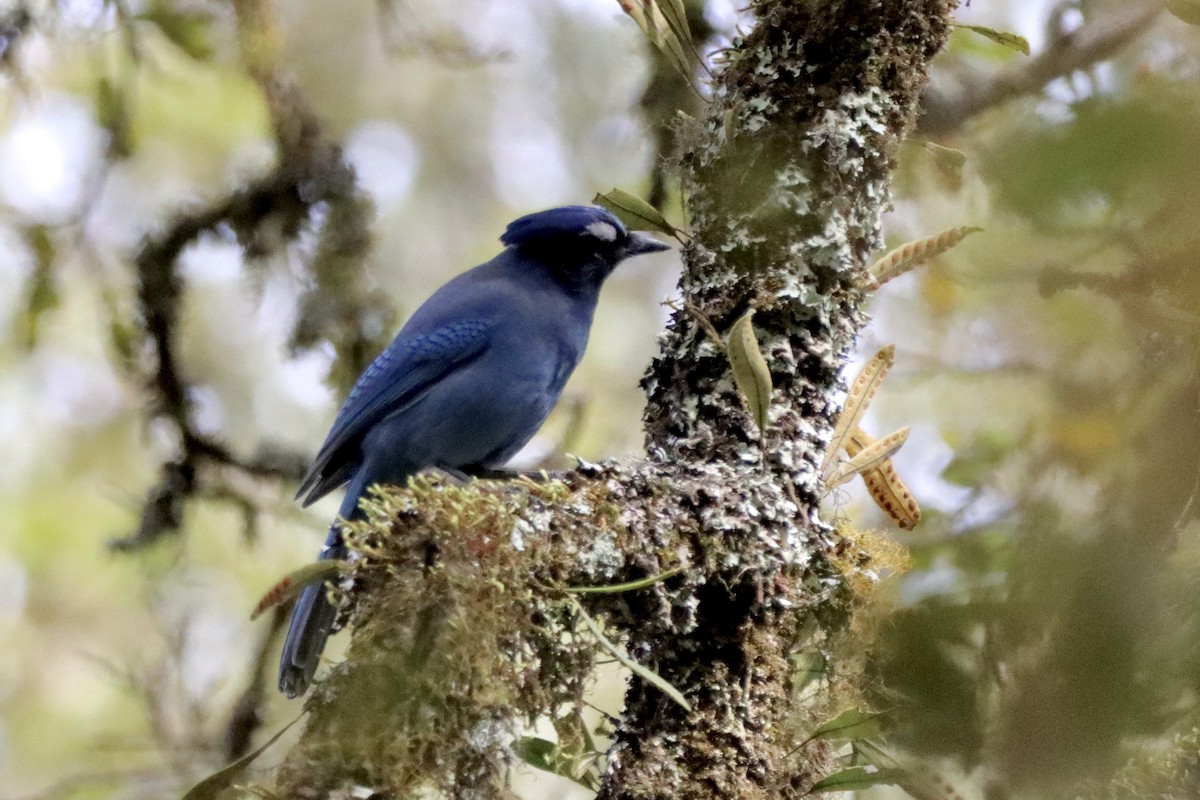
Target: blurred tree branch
{"type": "Point", "coordinates": [947, 110]}
{"type": "Point", "coordinates": [310, 186]}
{"type": "Point", "coordinates": [246, 718]}
{"type": "Point", "coordinates": [310, 179]}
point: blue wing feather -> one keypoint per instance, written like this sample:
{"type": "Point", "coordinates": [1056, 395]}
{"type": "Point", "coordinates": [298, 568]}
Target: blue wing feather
{"type": "Point", "coordinates": [394, 379]}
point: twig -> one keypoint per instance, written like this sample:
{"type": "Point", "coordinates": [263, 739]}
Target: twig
{"type": "Point", "coordinates": [246, 718]}
{"type": "Point", "coordinates": [946, 112]}
{"type": "Point", "coordinates": [705, 323]}
{"type": "Point", "coordinates": [310, 171]}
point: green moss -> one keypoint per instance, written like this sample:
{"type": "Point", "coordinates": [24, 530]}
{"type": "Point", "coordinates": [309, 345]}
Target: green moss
{"type": "Point", "coordinates": [462, 632]}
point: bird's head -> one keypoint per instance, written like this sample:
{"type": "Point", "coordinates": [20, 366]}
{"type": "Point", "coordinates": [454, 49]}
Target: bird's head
{"type": "Point", "coordinates": [580, 244]}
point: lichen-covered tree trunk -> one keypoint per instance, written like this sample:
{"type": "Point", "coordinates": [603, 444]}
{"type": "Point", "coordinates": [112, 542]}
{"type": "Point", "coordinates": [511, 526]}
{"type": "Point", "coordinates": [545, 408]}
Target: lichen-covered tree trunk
{"type": "Point", "coordinates": [785, 182]}
{"type": "Point", "coordinates": [462, 627]}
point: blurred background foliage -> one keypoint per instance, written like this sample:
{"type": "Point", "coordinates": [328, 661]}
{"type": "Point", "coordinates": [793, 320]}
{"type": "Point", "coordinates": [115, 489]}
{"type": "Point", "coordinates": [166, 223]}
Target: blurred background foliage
{"type": "Point", "coordinates": [1046, 642]}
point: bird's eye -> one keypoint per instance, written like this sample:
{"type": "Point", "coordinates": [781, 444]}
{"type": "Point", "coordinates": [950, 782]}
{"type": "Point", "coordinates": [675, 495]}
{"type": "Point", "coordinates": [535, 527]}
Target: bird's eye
{"type": "Point", "coordinates": [604, 231]}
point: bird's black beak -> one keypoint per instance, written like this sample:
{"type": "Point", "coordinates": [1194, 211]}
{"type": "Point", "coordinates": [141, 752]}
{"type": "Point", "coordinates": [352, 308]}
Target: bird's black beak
{"type": "Point", "coordinates": [639, 243]}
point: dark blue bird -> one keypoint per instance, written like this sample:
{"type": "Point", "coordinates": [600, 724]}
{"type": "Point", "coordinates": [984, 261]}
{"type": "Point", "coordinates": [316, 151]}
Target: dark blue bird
{"type": "Point", "coordinates": [466, 383]}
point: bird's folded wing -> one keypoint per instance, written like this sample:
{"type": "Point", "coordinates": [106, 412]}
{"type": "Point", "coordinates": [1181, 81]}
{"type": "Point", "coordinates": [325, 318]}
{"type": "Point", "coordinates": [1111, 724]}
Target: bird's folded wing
{"type": "Point", "coordinates": [395, 379]}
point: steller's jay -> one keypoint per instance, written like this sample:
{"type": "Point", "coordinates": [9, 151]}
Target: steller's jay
{"type": "Point", "coordinates": [466, 383]}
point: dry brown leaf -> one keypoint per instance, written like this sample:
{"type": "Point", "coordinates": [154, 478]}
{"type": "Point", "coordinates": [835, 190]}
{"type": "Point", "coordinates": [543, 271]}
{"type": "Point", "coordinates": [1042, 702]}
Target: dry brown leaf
{"type": "Point", "coordinates": [913, 254]}
{"type": "Point", "coordinates": [885, 486]}
{"type": "Point", "coordinates": [290, 585]}
{"type": "Point", "coordinates": [862, 391]}
{"type": "Point", "coordinates": [868, 458]}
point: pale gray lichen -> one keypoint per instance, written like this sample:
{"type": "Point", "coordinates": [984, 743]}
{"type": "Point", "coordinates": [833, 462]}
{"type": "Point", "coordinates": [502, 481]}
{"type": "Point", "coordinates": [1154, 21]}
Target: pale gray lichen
{"type": "Point", "coordinates": [601, 557]}
{"type": "Point", "coordinates": [849, 130]}
{"type": "Point", "coordinates": [520, 529]}
{"type": "Point", "coordinates": [490, 734]}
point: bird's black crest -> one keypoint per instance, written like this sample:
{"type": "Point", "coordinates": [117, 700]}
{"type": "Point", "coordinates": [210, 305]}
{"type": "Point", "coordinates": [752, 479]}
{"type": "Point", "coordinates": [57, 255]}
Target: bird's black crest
{"type": "Point", "coordinates": [565, 221]}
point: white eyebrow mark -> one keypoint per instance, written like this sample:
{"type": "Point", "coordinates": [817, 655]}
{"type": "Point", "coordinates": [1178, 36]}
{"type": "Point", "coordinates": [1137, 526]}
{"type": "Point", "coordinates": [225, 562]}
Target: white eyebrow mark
{"type": "Point", "coordinates": [603, 231]}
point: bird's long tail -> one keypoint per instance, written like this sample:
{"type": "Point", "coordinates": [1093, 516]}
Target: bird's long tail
{"type": "Point", "coordinates": [312, 616]}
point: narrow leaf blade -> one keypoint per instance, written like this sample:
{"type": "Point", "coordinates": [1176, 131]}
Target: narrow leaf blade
{"type": "Point", "coordinates": [675, 14]}
{"type": "Point", "coordinates": [631, 586]}
{"type": "Point", "coordinates": [750, 370]}
{"type": "Point", "coordinates": [1012, 41]}
{"type": "Point", "coordinates": [636, 14]}
{"type": "Point", "coordinates": [211, 787]}
{"type": "Point", "coordinates": [919, 781]}
{"type": "Point", "coordinates": [674, 49]}
{"type": "Point", "coordinates": [645, 673]}
{"type": "Point", "coordinates": [861, 393]}
{"type": "Point", "coordinates": [855, 779]}
{"type": "Point", "coordinates": [634, 212]}
{"type": "Point", "coordinates": [853, 723]}
{"type": "Point", "coordinates": [646, 15]}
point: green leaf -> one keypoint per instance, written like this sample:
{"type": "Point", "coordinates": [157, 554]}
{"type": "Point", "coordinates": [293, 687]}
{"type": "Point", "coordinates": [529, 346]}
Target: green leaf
{"type": "Point", "coordinates": [856, 778]}
{"type": "Point", "coordinates": [211, 787]}
{"type": "Point", "coordinates": [190, 31]}
{"type": "Point", "coordinates": [634, 212]}
{"type": "Point", "coordinates": [536, 752]}
{"type": "Point", "coordinates": [750, 370]}
{"type": "Point", "coordinates": [1010, 40]}
{"type": "Point", "coordinates": [853, 723]}
{"type": "Point", "coordinates": [671, 45]}
{"type": "Point", "coordinates": [949, 162]}
{"type": "Point", "coordinates": [646, 14]}
{"type": "Point", "coordinates": [550, 757]}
